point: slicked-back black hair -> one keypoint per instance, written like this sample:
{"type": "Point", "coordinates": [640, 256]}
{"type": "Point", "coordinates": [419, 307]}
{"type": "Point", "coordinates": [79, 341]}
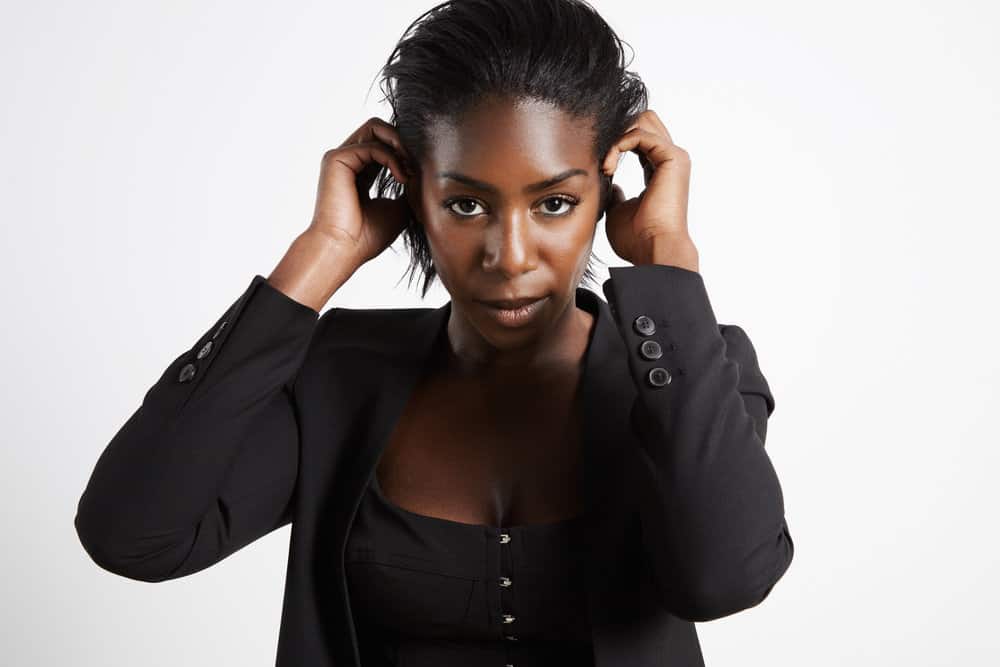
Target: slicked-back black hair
{"type": "Point", "coordinates": [461, 52]}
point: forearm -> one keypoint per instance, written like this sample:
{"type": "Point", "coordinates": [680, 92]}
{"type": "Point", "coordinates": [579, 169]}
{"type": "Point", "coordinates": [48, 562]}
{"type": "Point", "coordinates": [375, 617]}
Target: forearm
{"type": "Point", "coordinates": [216, 428]}
{"type": "Point", "coordinates": [710, 502]}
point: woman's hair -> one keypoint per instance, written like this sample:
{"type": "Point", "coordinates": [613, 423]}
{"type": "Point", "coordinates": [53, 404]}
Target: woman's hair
{"type": "Point", "coordinates": [461, 52]}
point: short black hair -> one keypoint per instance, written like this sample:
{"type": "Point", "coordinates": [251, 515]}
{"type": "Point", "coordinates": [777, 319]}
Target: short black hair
{"type": "Point", "coordinates": [461, 52]}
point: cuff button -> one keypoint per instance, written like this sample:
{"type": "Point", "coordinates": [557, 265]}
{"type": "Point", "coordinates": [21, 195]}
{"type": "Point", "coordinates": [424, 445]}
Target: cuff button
{"type": "Point", "coordinates": [650, 349]}
{"type": "Point", "coordinates": [187, 373]}
{"type": "Point", "coordinates": [644, 325]}
{"type": "Point", "coordinates": [219, 330]}
{"type": "Point", "coordinates": [205, 349]}
{"type": "Point", "coordinates": [658, 377]}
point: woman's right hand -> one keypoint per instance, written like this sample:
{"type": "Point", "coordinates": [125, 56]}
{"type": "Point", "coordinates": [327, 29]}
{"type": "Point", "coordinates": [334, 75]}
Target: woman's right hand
{"type": "Point", "coordinates": [345, 212]}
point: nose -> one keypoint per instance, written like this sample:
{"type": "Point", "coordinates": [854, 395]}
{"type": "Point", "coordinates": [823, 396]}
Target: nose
{"type": "Point", "coordinates": [510, 246]}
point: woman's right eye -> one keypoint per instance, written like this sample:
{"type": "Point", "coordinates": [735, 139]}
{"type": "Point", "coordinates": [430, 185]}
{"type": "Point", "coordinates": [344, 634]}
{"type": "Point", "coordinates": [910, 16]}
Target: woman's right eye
{"type": "Point", "coordinates": [466, 202]}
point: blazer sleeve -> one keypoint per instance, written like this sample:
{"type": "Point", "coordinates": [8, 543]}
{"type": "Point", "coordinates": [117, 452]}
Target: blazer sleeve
{"type": "Point", "coordinates": [208, 462]}
{"type": "Point", "coordinates": [710, 504]}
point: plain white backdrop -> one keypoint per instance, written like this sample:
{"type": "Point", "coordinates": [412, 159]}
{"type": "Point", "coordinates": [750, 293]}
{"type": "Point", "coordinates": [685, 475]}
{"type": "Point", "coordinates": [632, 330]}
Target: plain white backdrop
{"type": "Point", "coordinates": [154, 156]}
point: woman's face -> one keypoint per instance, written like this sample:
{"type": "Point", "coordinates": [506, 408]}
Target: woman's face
{"type": "Point", "coordinates": [498, 224]}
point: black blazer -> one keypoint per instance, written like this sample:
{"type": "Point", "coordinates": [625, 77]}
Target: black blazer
{"type": "Point", "coordinates": [277, 414]}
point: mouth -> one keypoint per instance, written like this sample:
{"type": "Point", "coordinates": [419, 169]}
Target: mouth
{"type": "Point", "coordinates": [515, 312]}
{"type": "Point", "coordinates": [511, 304]}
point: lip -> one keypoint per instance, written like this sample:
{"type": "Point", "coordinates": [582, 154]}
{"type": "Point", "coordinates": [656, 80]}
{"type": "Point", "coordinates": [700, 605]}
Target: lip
{"type": "Point", "coordinates": [512, 303]}
{"type": "Point", "coordinates": [524, 311]}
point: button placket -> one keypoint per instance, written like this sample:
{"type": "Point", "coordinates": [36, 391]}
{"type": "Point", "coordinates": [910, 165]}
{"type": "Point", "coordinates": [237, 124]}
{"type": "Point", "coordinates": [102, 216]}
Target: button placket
{"type": "Point", "coordinates": [505, 582]}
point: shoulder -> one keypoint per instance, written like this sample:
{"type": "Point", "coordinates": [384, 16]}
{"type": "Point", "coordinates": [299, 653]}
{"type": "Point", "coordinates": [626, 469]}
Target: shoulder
{"type": "Point", "coordinates": [366, 327]}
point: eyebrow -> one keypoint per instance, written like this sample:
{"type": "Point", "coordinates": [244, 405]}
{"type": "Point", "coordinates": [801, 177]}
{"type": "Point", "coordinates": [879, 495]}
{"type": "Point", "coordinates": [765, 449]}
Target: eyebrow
{"type": "Point", "coordinates": [534, 187]}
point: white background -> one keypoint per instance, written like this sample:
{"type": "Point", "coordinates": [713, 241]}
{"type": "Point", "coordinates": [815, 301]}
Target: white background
{"type": "Point", "coordinates": [156, 155]}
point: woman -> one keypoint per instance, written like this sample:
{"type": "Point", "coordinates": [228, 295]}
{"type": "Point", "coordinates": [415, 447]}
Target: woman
{"type": "Point", "coordinates": [526, 475]}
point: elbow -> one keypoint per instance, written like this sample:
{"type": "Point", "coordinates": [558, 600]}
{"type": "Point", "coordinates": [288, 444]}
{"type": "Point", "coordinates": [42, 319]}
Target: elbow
{"type": "Point", "coordinates": [713, 604]}
{"type": "Point", "coordinates": [728, 590]}
{"type": "Point", "coordinates": [130, 558]}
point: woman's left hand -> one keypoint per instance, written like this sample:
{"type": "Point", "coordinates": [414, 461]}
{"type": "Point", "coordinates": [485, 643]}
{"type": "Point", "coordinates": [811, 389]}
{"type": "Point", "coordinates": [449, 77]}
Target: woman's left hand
{"type": "Point", "coordinates": [651, 228]}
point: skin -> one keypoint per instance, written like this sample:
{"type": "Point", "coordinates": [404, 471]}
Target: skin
{"type": "Point", "coordinates": [509, 242]}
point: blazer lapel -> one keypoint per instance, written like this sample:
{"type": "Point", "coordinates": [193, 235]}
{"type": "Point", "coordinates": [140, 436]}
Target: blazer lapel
{"type": "Point", "coordinates": [405, 354]}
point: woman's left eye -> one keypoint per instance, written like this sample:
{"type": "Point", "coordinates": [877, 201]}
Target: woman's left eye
{"type": "Point", "coordinates": [562, 200]}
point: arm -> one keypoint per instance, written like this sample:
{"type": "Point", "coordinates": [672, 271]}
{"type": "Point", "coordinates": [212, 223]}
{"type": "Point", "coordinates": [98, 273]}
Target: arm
{"type": "Point", "coordinates": [710, 503]}
{"type": "Point", "coordinates": [208, 462]}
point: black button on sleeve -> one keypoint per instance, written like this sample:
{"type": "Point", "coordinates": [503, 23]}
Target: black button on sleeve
{"type": "Point", "coordinates": [651, 350]}
{"type": "Point", "coordinates": [219, 330]}
{"type": "Point", "coordinates": [187, 373]}
{"type": "Point", "coordinates": [644, 326]}
{"type": "Point", "coordinates": [658, 377]}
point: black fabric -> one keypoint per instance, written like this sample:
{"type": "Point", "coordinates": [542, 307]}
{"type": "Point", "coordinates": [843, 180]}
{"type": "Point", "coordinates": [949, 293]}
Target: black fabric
{"type": "Point", "coordinates": [427, 590]}
{"type": "Point", "coordinates": [287, 413]}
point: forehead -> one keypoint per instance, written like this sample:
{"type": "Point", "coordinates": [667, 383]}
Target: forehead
{"type": "Point", "coordinates": [510, 143]}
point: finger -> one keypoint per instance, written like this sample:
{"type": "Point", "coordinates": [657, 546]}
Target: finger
{"type": "Point", "coordinates": [357, 157]}
{"type": "Point", "coordinates": [377, 129]}
{"type": "Point", "coordinates": [615, 154]}
{"type": "Point", "coordinates": [383, 131]}
{"type": "Point", "coordinates": [364, 132]}
{"type": "Point", "coordinates": [649, 120]}
{"type": "Point", "coordinates": [654, 147]}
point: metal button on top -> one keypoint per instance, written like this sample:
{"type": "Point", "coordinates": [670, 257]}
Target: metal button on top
{"type": "Point", "coordinates": [650, 349]}
{"type": "Point", "coordinates": [187, 373]}
{"type": "Point", "coordinates": [205, 349]}
{"type": "Point", "coordinates": [504, 538]}
{"type": "Point", "coordinates": [658, 376]}
{"type": "Point", "coordinates": [507, 618]}
{"type": "Point", "coordinates": [644, 326]}
{"type": "Point", "coordinates": [505, 582]}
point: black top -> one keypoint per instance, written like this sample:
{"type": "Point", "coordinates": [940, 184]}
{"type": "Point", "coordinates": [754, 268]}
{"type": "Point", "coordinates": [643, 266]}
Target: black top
{"type": "Point", "coordinates": [431, 591]}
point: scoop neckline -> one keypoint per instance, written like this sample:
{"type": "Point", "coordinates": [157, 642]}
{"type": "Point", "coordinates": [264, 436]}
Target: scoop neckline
{"type": "Point", "coordinates": [496, 530]}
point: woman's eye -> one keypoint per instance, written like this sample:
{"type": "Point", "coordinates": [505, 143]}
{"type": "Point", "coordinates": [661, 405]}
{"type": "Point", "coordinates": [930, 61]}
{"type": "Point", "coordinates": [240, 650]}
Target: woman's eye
{"type": "Point", "coordinates": [550, 207]}
{"type": "Point", "coordinates": [466, 202]}
{"type": "Point", "coordinates": [559, 200]}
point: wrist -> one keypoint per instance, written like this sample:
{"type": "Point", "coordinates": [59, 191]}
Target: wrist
{"type": "Point", "coordinates": [313, 268]}
{"type": "Point", "coordinates": [670, 250]}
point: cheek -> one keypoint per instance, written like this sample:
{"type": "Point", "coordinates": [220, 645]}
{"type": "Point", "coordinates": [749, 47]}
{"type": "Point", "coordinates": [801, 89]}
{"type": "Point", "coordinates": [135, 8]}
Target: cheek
{"type": "Point", "coordinates": [574, 243]}
{"type": "Point", "coordinates": [452, 248]}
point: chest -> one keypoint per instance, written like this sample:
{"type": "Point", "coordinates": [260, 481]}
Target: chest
{"type": "Point", "coordinates": [494, 454]}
